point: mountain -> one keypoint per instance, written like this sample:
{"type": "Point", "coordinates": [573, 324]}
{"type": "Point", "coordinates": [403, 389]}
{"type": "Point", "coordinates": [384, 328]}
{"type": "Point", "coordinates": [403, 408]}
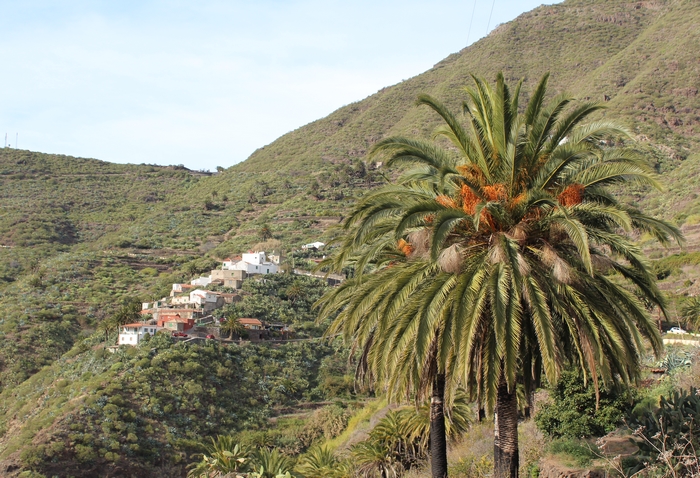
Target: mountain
{"type": "Point", "coordinates": [81, 235]}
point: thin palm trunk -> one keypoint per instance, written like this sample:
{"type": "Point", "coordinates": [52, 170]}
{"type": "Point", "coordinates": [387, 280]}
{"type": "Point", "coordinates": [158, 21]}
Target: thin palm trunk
{"type": "Point", "coordinates": [505, 445]}
{"type": "Point", "coordinates": [438, 440]}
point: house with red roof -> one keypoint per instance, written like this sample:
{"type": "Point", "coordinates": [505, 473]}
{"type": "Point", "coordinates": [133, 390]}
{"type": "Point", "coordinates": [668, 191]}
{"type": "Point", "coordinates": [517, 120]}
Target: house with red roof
{"type": "Point", "coordinates": [175, 323]}
{"type": "Point", "coordinates": [252, 324]}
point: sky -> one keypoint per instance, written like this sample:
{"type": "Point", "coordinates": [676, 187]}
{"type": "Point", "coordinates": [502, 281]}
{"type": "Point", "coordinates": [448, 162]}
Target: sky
{"type": "Point", "coordinates": [205, 83]}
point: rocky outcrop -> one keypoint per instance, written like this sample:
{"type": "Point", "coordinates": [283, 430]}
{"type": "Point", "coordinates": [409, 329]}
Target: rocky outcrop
{"type": "Point", "coordinates": [551, 469]}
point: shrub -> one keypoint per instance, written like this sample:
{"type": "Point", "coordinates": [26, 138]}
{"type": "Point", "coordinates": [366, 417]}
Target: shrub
{"type": "Point", "coordinates": [472, 467]}
{"type": "Point", "coordinates": [85, 453]}
{"type": "Point", "coordinates": [575, 413]}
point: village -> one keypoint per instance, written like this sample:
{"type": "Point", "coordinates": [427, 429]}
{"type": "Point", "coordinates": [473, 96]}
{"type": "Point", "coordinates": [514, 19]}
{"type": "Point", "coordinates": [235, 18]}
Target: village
{"type": "Point", "coordinates": [189, 314]}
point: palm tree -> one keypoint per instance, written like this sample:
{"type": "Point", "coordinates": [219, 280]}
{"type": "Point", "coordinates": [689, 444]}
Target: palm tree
{"type": "Point", "coordinates": [232, 326]}
{"type": "Point", "coordinates": [129, 311]}
{"type": "Point", "coordinates": [516, 259]}
{"type": "Point", "coordinates": [690, 311]}
{"type": "Point", "coordinates": [375, 309]}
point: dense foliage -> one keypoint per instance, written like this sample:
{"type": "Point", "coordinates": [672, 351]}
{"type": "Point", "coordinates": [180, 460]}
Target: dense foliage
{"type": "Point", "coordinates": [577, 411]}
{"type": "Point", "coordinates": [152, 406]}
{"type": "Point", "coordinates": [285, 298]}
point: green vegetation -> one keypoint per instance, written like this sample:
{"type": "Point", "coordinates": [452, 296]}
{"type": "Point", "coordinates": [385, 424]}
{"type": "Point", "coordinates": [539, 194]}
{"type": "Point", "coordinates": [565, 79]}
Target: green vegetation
{"type": "Point", "coordinates": [579, 411]}
{"type": "Point", "coordinates": [285, 298]}
{"type": "Point", "coordinates": [153, 405]}
{"type": "Point", "coordinates": [668, 435]}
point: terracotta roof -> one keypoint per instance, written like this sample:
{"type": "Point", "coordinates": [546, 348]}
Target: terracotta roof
{"type": "Point", "coordinates": [250, 321]}
{"type": "Point", "coordinates": [137, 325]}
{"type": "Point", "coordinates": [167, 310]}
{"type": "Point", "coordinates": [176, 319]}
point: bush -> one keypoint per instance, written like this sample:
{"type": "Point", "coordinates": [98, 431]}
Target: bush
{"type": "Point", "coordinates": [574, 413]}
{"type": "Point", "coordinates": [472, 467]}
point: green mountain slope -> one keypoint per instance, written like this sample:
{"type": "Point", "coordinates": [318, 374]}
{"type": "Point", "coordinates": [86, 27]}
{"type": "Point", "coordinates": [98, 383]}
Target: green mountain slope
{"type": "Point", "coordinates": [642, 55]}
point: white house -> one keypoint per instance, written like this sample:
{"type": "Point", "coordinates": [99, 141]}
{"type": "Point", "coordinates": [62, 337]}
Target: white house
{"type": "Point", "coordinates": [313, 245]}
{"type": "Point", "coordinates": [255, 263]}
{"type": "Point", "coordinates": [207, 300]}
{"type": "Point", "coordinates": [133, 334]}
{"type": "Point", "coordinates": [180, 300]}
{"type": "Point", "coordinates": [201, 281]}
{"type": "Point", "coordinates": [274, 258]}
{"type": "Point", "coordinates": [228, 264]}
{"type": "Point", "coordinates": [201, 297]}
{"type": "Point", "coordinates": [158, 303]}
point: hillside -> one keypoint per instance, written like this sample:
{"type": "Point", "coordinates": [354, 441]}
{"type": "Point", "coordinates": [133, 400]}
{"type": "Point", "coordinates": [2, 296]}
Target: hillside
{"type": "Point", "coordinates": [80, 235]}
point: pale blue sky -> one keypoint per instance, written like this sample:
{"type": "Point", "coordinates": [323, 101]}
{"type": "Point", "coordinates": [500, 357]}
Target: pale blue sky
{"type": "Point", "coordinates": [205, 83]}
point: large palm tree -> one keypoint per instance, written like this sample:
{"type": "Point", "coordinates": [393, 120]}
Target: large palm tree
{"type": "Point", "coordinates": [516, 256]}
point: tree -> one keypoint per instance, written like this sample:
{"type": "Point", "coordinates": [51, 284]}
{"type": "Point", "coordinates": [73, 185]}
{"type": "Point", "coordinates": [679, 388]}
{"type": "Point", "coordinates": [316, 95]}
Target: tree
{"type": "Point", "coordinates": [690, 311]}
{"type": "Point", "coordinates": [315, 189]}
{"type": "Point", "coordinates": [129, 311]}
{"type": "Point", "coordinates": [516, 256]}
{"type": "Point", "coordinates": [265, 232]}
{"type": "Point", "coordinates": [233, 327]}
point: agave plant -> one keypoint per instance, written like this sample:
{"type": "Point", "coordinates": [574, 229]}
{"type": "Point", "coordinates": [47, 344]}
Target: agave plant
{"type": "Point", "coordinates": [675, 360]}
{"type": "Point", "coordinates": [222, 457]}
{"type": "Point", "coordinates": [321, 462]}
{"type": "Point", "coordinates": [270, 463]}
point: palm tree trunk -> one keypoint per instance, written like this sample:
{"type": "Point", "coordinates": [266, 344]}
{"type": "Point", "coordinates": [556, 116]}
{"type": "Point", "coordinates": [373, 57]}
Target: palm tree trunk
{"type": "Point", "coordinates": [438, 439]}
{"type": "Point", "coordinates": [505, 445]}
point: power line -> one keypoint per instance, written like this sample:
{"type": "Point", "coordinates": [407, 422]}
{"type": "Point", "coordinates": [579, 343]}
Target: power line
{"type": "Point", "coordinates": [470, 23]}
{"type": "Point", "coordinates": [489, 23]}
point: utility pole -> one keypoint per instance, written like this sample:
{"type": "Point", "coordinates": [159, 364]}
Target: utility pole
{"type": "Point", "coordinates": [6, 140]}
{"type": "Point", "coordinates": [16, 139]}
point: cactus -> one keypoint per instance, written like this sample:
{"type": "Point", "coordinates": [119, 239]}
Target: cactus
{"type": "Point", "coordinates": [670, 434]}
